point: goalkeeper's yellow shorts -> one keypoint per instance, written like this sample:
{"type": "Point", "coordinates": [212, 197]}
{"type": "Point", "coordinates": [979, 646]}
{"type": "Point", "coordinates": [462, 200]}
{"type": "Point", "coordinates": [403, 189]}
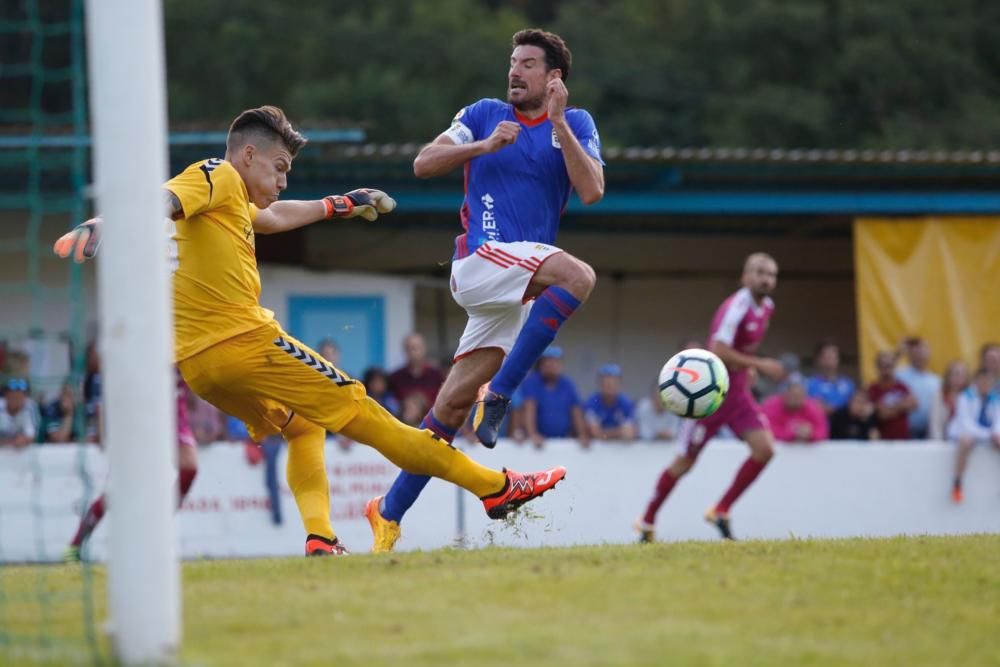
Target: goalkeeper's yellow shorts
{"type": "Point", "coordinates": [263, 376]}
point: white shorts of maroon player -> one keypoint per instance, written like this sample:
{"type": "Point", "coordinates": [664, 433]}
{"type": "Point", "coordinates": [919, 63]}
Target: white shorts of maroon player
{"type": "Point", "coordinates": [490, 284]}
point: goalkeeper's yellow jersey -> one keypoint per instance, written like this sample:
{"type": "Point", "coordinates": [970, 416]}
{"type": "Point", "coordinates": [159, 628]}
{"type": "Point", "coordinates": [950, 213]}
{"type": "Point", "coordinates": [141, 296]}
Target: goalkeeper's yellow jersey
{"type": "Point", "coordinates": [215, 278]}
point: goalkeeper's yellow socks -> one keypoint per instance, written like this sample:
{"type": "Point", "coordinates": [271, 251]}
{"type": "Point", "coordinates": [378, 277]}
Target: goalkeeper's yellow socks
{"type": "Point", "coordinates": [307, 475]}
{"type": "Point", "coordinates": [420, 451]}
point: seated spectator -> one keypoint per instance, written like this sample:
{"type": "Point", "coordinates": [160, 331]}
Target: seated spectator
{"type": "Point", "coordinates": [763, 386]}
{"type": "Point", "coordinates": [609, 413]}
{"type": "Point", "coordinates": [92, 393]}
{"type": "Point", "coordinates": [827, 385]}
{"type": "Point", "coordinates": [652, 418]}
{"type": "Point", "coordinates": [208, 423]}
{"type": "Point", "coordinates": [956, 379]}
{"type": "Point", "coordinates": [18, 420]}
{"type": "Point", "coordinates": [329, 350]}
{"type": "Point", "coordinates": [552, 407]}
{"type": "Point", "coordinates": [856, 420]}
{"type": "Point", "coordinates": [413, 408]}
{"type": "Point", "coordinates": [923, 384]}
{"type": "Point", "coordinates": [59, 418]}
{"type": "Point", "coordinates": [794, 417]}
{"type": "Point", "coordinates": [989, 358]}
{"type": "Point", "coordinates": [893, 400]}
{"type": "Point", "coordinates": [236, 430]}
{"type": "Point", "coordinates": [514, 426]}
{"type": "Point", "coordinates": [977, 421]}
{"type": "Point", "coordinates": [377, 385]}
{"type": "Point", "coordinates": [418, 374]}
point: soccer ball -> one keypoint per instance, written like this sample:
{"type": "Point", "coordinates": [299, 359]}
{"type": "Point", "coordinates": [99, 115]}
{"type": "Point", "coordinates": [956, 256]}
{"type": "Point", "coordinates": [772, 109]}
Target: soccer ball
{"type": "Point", "coordinates": [694, 383]}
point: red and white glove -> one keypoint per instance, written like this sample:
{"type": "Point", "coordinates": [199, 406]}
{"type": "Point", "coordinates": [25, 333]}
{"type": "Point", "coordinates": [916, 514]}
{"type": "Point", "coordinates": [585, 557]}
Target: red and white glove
{"type": "Point", "coordinates": [364, 203]}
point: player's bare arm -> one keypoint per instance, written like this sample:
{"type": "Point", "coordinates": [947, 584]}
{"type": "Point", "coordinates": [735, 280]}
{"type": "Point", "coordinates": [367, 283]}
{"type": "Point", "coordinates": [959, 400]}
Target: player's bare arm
{"type": "Point", "coordinates": [769, 367]}
{"type": "Point", "coordinates": [283, 216]}
{"type": "Point", "coordinates": [443, 154]}
{"type": "Point", "coordinates": [585, 173]}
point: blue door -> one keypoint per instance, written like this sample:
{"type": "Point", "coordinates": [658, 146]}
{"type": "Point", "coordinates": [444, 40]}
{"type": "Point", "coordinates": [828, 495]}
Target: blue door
{"type": "Point", "coordinates": [355, 323]}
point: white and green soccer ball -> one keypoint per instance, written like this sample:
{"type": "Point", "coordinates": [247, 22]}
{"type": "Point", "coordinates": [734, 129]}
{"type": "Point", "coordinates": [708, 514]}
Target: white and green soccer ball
{"type": "Point", "coordinates": [694, 383]}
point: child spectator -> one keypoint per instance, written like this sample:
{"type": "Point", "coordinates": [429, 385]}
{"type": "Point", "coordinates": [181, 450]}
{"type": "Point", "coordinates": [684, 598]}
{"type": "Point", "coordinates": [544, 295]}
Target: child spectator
{"type": "Point", "coordinates": [856, 420]}
{"type": "Point", "coordinates": [59, 418]}
{"type": "Point", "coordinates": [376, 383]}
{"type": "Point", "coordinates": [827, 385]}
{"type": "Point", "coordinates": [977, 421]}
{"type": "Point", "coordinates": [893, 400]}
{"type": "Point", "coordinates": [956, 379]}
{"type": "Point", "coordinates": [18, 415]}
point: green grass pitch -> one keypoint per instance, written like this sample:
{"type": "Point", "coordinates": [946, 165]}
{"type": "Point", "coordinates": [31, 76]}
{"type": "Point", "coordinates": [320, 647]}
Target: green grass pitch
{"type": "Point", "coordinates": [903, 601]}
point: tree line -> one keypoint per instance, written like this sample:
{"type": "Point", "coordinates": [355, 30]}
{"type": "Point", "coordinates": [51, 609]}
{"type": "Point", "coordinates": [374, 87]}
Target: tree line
{"type": "Point", "coordinates": [772, 73]}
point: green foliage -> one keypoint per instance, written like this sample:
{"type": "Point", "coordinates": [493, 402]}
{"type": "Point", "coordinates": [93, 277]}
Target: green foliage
{"type": "Point", "coordinates": [775, 73]}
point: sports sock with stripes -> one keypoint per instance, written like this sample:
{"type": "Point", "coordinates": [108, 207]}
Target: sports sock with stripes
{"type": "Point", "coordinates": [407, 487]}
{"type": "Point", "coordinates": [553, 307]}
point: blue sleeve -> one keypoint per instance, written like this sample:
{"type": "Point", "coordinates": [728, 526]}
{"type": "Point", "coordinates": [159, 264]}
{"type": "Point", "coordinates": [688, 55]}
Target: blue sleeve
{"type": "Point", "coordinates": [474, 117]}
{"type": "Point", "coordinates": [586, 133]}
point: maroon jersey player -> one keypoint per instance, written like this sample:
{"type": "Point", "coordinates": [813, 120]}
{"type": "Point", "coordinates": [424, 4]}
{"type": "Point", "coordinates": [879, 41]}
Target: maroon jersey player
{"type": "Point", "coordinates": [737, 330]}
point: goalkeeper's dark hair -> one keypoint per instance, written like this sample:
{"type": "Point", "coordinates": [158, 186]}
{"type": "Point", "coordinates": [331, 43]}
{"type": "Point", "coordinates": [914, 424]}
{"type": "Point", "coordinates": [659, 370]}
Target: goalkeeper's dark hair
{"type": "Point", "coordinates": [557, 54]}
{"type": "Point", "coordinates": [268, 122]}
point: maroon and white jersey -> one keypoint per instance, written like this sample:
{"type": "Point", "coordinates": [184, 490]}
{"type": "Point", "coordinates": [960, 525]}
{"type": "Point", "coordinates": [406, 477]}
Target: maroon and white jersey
{"type": "Point", "coordinates": [740, 322]}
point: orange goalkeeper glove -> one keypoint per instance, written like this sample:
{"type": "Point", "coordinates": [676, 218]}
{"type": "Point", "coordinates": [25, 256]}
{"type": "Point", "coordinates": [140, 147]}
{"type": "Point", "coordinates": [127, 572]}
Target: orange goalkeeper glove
{"type": "Point", "coordinates": [363, 202]}
{"type": "Point", "coordinates": [82, 243]}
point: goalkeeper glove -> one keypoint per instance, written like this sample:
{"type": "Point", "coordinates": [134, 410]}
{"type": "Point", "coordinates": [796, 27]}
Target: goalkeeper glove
{"type": "Point", "coordinates": [82, 243]}
{"type": "Point", "coordinates": [363, 202]}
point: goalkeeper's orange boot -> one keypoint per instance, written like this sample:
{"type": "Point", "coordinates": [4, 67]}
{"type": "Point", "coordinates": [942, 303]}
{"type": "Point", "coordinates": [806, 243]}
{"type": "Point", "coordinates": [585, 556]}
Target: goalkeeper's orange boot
{"type": "Point", "coordinates": [721, 521]}
{"type": "Point", "coordinates": [322, 546]}
{"type": "Point", "coordinates": [519, 489]}
{"type": "Point", "coordinates": [384, 532]}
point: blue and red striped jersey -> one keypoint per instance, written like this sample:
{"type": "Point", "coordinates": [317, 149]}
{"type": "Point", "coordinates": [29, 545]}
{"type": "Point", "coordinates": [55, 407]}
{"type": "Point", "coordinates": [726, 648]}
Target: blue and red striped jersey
{"type": "Point", "coordinates": [519, 192]}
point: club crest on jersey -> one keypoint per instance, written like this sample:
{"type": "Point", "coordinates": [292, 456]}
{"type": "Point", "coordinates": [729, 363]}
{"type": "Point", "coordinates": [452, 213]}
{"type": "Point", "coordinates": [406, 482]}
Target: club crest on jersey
{"type": "Point", "coordinates": [555, 140]}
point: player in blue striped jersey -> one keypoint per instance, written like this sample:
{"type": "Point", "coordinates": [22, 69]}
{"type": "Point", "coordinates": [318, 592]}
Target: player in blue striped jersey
{"type": "Point", "coordinates": [522, 158]}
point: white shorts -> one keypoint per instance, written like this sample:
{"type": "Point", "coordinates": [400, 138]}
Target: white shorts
{"type": "Point", "coordinates": [490, 285]}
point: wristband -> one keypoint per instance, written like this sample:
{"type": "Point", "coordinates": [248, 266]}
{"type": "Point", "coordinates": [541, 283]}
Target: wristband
{"type": "Point", "coordinates": [337, 206]}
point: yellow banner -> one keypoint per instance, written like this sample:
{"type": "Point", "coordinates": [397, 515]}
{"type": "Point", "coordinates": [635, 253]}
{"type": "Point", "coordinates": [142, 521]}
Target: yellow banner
{"type": "Point", "coordinates": [937, 278]}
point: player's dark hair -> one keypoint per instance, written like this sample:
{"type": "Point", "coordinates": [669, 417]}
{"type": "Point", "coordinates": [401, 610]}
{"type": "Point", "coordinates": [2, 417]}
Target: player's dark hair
{"type": "Point", "coordinates": [268, 122]}
{"type": "Point", "coordinates": [557, 54]}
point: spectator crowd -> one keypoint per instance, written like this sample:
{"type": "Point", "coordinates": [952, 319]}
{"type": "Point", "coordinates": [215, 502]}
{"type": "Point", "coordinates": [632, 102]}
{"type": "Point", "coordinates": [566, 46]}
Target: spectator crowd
{"type": "Point", "coordinates": [906, 401]}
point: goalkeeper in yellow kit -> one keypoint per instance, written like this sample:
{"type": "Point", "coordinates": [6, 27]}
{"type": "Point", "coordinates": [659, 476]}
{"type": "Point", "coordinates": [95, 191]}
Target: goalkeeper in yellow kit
{"type": "Point", "coordinates": [233, 353]}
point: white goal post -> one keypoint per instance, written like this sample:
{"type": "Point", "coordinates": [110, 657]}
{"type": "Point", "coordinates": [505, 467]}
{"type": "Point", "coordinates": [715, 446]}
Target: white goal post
{"type": "Point", "coordinates": [128, 120]}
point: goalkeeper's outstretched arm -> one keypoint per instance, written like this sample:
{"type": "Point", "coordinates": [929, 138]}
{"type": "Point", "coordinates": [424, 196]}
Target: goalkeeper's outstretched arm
{"type": "Point", "coordinates": [84, 240]}
{"type": "Point", "coordinates": [282, 216]}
